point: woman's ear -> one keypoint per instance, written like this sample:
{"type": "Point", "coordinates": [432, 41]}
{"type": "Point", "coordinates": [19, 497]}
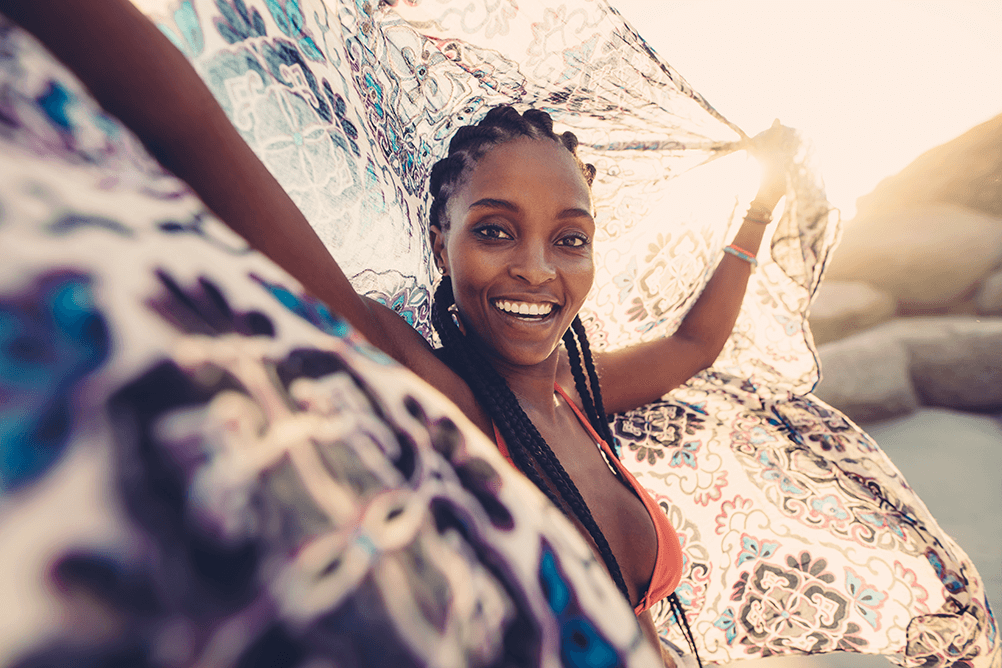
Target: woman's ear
{"type": "Point", "coordinates": [438, 249]}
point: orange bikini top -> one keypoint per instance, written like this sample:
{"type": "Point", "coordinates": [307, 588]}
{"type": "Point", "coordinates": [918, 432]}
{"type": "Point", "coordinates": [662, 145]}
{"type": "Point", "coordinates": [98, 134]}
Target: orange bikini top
{"type": "Point", "coordinates": [668, 562]}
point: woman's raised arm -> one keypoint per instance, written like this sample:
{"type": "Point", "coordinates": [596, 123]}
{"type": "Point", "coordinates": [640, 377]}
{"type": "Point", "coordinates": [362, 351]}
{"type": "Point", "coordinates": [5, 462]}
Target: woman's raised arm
{"type": "Point", "coordinates": [640, 374]}
{"type": "Point", "coordinates": [135, 73]}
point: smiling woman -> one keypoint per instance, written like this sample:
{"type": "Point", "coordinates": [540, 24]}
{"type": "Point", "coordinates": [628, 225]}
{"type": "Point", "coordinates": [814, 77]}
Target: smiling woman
{"type": "Point", "coordinates": [520, 250]}
{"type": "Point", "coordinates": [512, 230]}
{"type": "Point", "coordinates": [349, 104]}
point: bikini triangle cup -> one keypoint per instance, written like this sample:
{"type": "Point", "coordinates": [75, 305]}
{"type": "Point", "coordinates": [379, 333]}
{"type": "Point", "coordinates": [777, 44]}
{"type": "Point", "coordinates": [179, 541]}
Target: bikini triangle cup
{"type": "Point", "coordinates": [668, 562]}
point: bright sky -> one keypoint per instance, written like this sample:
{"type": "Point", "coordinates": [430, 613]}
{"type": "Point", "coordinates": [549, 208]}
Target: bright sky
{"type": "Point", "coordinates": [872, 83]}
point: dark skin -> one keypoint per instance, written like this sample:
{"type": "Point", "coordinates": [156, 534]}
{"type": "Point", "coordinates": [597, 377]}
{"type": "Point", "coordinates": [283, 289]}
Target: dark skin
{"type": "Point", "coordinates": [138, 75]}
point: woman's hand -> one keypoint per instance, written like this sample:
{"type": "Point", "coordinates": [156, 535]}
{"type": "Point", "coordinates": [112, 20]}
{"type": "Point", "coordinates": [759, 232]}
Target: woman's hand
{"type": "Point", "coordinates": [775, 149]}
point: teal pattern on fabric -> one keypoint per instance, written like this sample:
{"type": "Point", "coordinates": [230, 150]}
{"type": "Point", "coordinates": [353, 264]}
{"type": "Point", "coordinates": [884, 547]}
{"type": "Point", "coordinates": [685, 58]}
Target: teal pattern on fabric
{"type": "Point", "coordinates": [51, 337]}
{"type": "Point", "coordinates": [581, 644]}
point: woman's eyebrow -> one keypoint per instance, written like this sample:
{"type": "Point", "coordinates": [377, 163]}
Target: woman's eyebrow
{"type": "Point", "coordinates": [575, 213]}
{"type": "Point", "coordinates": [491, 203]}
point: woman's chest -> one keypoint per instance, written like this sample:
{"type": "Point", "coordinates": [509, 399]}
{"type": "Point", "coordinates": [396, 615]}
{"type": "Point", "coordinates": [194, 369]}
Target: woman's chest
{"type": "Point", "coordinates": [620, 514]}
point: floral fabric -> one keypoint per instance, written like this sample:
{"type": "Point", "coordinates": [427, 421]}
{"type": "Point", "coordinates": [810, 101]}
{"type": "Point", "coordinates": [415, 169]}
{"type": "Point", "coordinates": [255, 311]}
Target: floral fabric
{"type": "Point", "coordinates": [800, 536]}
{"type": "Point", "coordinates": [200, 466]}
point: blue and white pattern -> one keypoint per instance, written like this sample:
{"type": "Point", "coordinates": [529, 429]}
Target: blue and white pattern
{"type": "Point", "coordinates": [201, 466]}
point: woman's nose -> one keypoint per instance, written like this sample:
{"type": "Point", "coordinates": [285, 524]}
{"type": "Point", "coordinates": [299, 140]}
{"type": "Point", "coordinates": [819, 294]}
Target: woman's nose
{"type": "Point", "coordinates": [533, 264]}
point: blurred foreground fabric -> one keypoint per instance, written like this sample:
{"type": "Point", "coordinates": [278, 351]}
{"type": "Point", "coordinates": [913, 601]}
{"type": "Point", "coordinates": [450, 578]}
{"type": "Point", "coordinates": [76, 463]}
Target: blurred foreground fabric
{"type": "Point", "coordinates": [200, 466]}
{"type": "Point", "coordinates": [799, 535]}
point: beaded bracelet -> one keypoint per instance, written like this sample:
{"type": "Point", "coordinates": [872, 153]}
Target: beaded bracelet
{"type": "Point", "coordinates": [759, 213]}
{"type": "Point", "coordinates": [741, 253]}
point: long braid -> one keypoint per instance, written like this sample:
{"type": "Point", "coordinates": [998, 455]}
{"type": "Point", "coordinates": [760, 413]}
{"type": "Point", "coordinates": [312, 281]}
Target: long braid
{"type": "Point", "coordinates": [676, 608]}
{"type": "Point", "coordinates": [600, 422]}
{"type": "Point", "coordinates": [526, 445]}
{"type": "Point", "coordinates": [461, 357]}
{"type": "Point", "coordinates": [577, 366]}
{"type": "Point", "coordinates": [591, 397]}
{"type": "Point", "coordinates": [601, 417]}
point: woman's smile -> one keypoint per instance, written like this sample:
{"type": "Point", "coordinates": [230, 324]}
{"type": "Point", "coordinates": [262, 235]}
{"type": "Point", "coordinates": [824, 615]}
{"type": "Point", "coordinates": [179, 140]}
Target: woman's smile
{"type": "Point", "coordinates": [525, 310]}
{"type": "Point", "coordinates": [518, 248]}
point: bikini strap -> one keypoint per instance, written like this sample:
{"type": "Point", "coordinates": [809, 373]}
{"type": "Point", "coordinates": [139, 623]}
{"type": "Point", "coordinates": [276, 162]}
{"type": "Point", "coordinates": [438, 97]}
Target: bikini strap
{"type": "Point", "coordinates": [585, 422]}
{"type": "Point", "coordinates": [502, 446]}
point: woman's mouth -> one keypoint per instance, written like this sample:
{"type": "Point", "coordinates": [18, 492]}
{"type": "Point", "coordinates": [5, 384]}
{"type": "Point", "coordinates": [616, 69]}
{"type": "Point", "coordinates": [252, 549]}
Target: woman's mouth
{"type": "Point", "coordinates": [527, 310]}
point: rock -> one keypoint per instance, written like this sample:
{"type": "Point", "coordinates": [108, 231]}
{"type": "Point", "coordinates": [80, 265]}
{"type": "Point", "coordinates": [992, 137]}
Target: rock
{"type": "Point", "coordinates": [866, 375]}
{"type": "Point", "coordinates": [842, 308]}
{"type": "Point", "coordinates": [955, 362]}
{"type": "Point", "coordinates": [948, 361]}
{"type": "Point", "coordinates": [964, 171]}
{"type": "Point", "coordinates": [928, 258]}
{"type": "Point", "coordinates": [989, 296]}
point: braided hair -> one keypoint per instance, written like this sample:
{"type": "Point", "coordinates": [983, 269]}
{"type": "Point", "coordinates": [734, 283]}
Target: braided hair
{"type": "Point", "coordinates": [528, 449]}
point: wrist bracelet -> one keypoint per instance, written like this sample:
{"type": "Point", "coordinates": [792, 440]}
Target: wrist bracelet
{"type": "Point", "coordinates": [759, 213]}
{"type": "Point", "coordinates": [742, 254]}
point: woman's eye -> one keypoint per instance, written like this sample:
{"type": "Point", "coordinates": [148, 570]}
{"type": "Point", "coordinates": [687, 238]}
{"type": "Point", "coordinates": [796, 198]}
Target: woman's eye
{"type": "Point", "coordinates": [574, 241]}
{"type": "Point", "coordinates": [493, 232]}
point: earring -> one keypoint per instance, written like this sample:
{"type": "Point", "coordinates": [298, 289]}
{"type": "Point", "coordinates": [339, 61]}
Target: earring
{"type": "Point", "coordinates": [454, 312]}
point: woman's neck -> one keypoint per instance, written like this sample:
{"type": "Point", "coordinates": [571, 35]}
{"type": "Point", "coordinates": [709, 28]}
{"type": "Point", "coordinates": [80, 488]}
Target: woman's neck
{"type": "Point", "coordinates": [532, 385]}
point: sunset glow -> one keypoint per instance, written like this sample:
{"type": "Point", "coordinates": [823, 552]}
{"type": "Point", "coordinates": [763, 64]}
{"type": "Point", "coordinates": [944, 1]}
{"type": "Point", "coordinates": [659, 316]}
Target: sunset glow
{"type": "Point", "coordinates": [871, 84]}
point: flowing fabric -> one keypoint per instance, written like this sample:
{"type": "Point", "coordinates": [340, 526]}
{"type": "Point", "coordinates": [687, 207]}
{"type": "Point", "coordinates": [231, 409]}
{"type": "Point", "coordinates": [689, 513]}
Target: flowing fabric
{"type": "Point", "coordinates": [200, 466]}
{"type": "Point", "coordinates": [800, 536]}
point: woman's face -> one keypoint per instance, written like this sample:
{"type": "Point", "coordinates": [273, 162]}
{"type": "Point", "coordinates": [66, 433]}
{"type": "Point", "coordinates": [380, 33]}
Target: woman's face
{"type": "Point", "coordinates": [519, 248]}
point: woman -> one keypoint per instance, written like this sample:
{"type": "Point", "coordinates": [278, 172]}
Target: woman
{"type": "Point", "coordinates": [512, 233]}
{"type": "Point", "coordinates": [200, 350]}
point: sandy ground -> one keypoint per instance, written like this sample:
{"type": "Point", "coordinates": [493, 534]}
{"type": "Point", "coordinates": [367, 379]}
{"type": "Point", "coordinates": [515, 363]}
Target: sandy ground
{"type": "Point", "coordinates": [954, 461]}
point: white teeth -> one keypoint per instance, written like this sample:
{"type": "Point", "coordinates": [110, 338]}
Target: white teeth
{"type": "Point", "coordinates": [524, 308]}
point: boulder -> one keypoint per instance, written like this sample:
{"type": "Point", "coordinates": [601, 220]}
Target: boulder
{"type": "Point", "coordinates": [948, 361]}
{"type": "Point", "coordinates": [866, 376]}
{"type": "Point", "coordinates": [955, 362]}
{"type": "Point", "coordinates": [988, 299]}
{"type": "Point", "coordinates": [963, 171]}
{"type": "Point", "coordinates": [842, 308]}
{"type": "Point", "coordinates": [928, 258]}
